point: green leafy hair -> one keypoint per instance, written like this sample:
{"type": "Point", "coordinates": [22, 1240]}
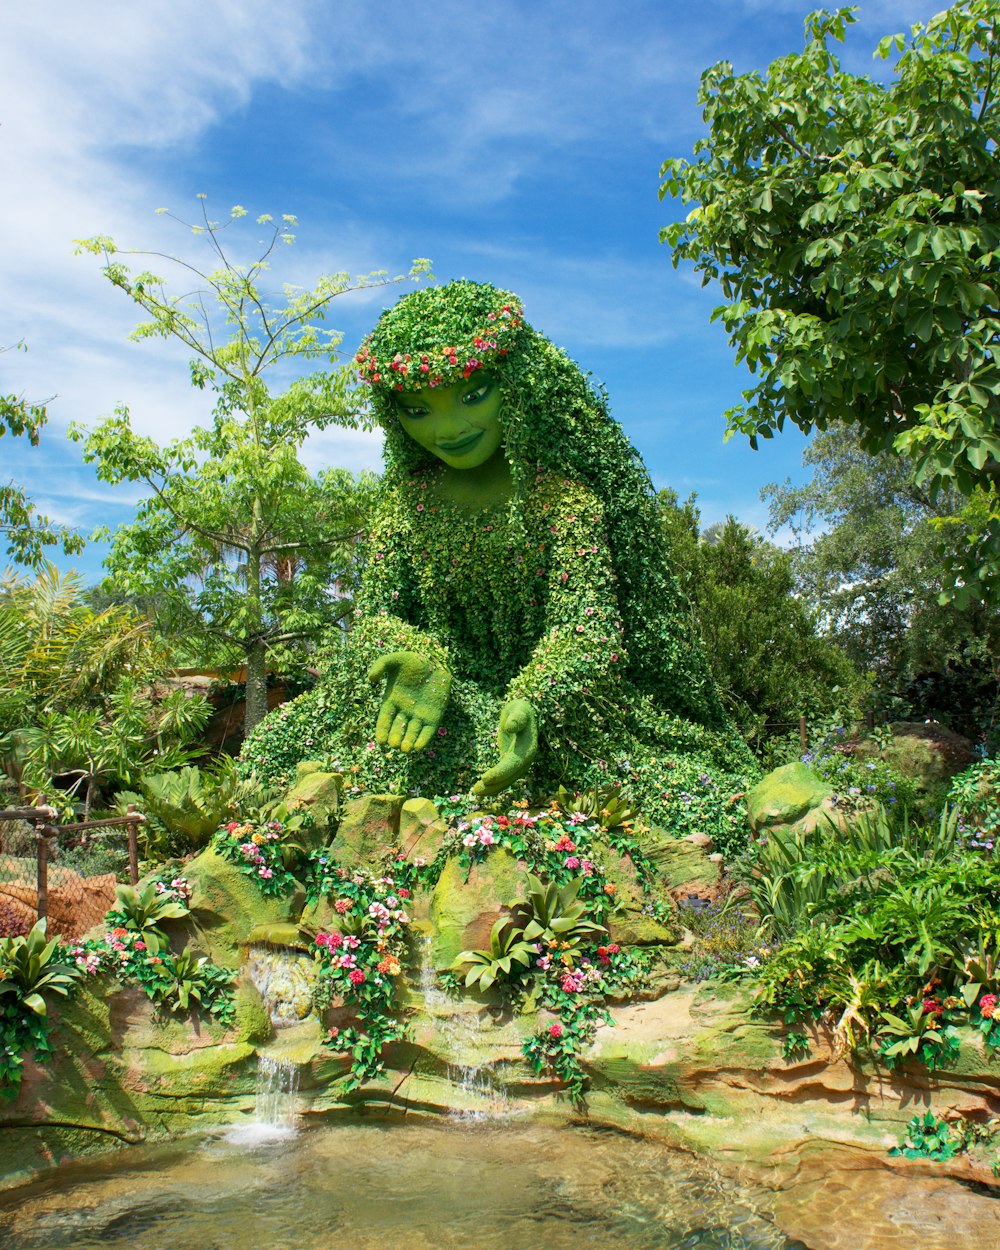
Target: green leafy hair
{"type": "Point", "coordinates": [554, 417]}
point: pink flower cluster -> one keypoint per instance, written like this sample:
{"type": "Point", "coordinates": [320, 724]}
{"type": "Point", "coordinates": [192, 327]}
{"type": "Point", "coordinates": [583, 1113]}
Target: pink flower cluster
{"type": "Point", "coordinates": [86, 961]}
{"type": "Point", "coordinates": [988, 1006]}
{"type": "Point", "coordinates": [180, 888]}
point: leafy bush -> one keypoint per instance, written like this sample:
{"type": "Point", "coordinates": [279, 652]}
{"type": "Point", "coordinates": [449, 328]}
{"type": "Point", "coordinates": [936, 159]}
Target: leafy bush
{"type": "Point", "coordinates": [30, 968]}
{"type": "Point", "coordinates": [185, 808]}
{"type": "Point", "coordinates": [877, 924]}
{"type": "Point", "coordinates": [976, 795]}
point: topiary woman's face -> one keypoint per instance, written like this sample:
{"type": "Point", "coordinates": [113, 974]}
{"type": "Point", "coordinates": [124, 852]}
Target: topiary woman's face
{"type": "Point", "coordinates": [459, 424]}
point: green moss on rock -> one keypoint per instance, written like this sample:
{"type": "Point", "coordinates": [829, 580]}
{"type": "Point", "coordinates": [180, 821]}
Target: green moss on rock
{"type": "Point", "coordinates": [785, 796]}
{"type": "Point", "coordinates": [462, 913]}
{"type": "Point", "coordinates": [369, 827]}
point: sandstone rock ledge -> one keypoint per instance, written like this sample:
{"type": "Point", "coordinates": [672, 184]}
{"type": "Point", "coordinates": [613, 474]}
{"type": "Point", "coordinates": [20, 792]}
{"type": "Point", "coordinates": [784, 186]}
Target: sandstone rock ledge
{"type": "Point", "coordinates": [692, 1068]}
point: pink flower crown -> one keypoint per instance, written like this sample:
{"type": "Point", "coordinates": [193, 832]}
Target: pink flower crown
{"type": "Point", "coordinates": [441, 366]}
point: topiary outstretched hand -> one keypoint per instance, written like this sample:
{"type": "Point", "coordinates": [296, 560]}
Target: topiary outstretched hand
{"type": "Point", "coordinates": [416, 693]}
{"type": "Point", "coordinates": [517, 738]}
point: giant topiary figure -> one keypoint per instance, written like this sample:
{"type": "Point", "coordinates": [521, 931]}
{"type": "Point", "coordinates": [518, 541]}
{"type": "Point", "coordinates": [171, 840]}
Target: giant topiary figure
{"type": "Point", "coordinates": [517, 621]}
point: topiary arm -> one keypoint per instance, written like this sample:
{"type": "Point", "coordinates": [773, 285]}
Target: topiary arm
{"type": "Point", "coordinates": [412, 663]}
{"type": "Point", "coordinates": [578, 660]}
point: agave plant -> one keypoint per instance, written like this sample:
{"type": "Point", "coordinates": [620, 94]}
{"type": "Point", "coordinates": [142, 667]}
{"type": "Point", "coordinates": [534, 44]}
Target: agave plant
{"type": "Point", "coordinates": [30, 965]}
{"type": "Point", "coordinates": [553, 914]}
{"type": "Point", "coordinates": [507, 948]}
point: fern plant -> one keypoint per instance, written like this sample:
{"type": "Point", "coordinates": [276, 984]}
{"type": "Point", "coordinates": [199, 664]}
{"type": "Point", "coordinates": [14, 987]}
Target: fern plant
{"type": "Point", "coordinates": [184, 808]}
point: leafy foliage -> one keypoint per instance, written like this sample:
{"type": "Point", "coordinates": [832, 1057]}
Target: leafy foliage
{"type": "Point", "coordinates": [876, 922]}
{"type": "Point", "coordinates": [78, 695]}
{"type": "Point", "coordinates": [872, 560]}
{"type": "Point", "coordinates": [26, 531]}
{"type": "Point", "coordinates": [853, 229]}
{"type": "Point", "coordinates": [185, 808]}
{"type": "Point", "coordinates": [764, 644]}
{"type": "Point", "coordinates": [30, 968]}
{"type": "Point", "coordinates": [138, 952]}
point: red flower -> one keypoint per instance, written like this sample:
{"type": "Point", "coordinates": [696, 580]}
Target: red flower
{"type": "Point", "coordinates": [988, 1006]}
{"type": "Point", "coordinates": [932, 1007]}
{"type": "Point", "coordinates": [555, 1030]}
{"type": "Point", "coordinates": [404, 893]}
{"type": "Point", "coordinates": [357, 977]}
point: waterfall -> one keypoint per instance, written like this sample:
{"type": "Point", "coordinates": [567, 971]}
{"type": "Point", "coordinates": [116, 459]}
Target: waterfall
{"type": "Point", "coordinates": [274, 1104]}
{"type": "Point", "coordinates": [463, 1033]}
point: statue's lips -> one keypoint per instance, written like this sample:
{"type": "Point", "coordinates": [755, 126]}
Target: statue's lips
{"type": "Point", "coordinates": [462, 444]}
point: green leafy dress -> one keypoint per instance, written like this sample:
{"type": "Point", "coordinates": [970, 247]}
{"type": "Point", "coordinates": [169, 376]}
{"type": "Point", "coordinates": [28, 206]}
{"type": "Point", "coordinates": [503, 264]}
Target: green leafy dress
{"type": "Point", "coordinates": [518, 602]}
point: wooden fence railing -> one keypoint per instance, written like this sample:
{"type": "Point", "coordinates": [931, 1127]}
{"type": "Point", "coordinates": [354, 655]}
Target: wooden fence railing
{"type": "Point", "coordinates": [42, 819]}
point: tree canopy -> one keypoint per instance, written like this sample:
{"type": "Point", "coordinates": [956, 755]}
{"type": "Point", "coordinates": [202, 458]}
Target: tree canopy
{"type": "Point", "coordinates": [243, 546]}
{"type": "Point", "coordinates": [873, 555]}
{"type": "Point", "coordinates": [764, 642]}
{"type": "Point", "coordinates": [854, 228]}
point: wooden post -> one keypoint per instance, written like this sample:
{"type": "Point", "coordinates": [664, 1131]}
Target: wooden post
{"type": "Point", "coordinates": [870, 720]}
{"type": "Point", "coordinates": [133, 847]}
{"type": "Point", "coordinates": [803, 735]}
{"type": "Point", "coordinates": [42, 875]}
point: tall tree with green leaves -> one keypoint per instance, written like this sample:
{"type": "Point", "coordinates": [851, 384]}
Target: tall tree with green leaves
{"type": "Point", "coordinates": [243, 546]}
{"type": "Point", "coordinates": [872, 557]}
{"type": "Point", "coordinates": [854, 228]}
{"type": "Point", "coordinates": [27, 532]}
{"type": "Point", "coordinates": [765, 644]}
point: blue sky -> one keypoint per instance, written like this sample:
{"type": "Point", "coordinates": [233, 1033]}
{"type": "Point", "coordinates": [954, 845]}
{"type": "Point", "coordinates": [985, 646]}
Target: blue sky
{"type": "Point", "coordinates": [518, 143]}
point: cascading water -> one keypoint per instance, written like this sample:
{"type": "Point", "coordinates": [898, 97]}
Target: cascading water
{"type": "Point", "coordinates": [274, 1104]}
{"type": "Point", "coordinates": [464, 1033]}
{"type": "Point", "coordinates": [286, 980]}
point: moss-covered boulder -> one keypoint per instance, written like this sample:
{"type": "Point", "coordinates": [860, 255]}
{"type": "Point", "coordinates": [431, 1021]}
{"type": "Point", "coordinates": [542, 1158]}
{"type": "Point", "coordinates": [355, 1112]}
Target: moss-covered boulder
{"type": "Point", "coordinates": [421, 830]}
{"type": "Point", "coordinates": [369, 829]}
{"type": "Point", "coordinates": [317, 793]}
{"type": "Point", "coordinates": [462, 912]}
{"type": "Point", "coordinates": [786, 796]}
{"type": "Point", "coordinates": [227, 906]}
{"type": "Point", "coordinates": [928, 754]}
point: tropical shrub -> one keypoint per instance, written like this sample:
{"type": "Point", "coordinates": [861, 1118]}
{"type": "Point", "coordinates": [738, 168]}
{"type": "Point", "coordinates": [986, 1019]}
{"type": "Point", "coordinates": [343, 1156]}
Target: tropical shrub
{"type": "Point", "coordinates": [137, 951]}
{"type": "Point", "coordinates": [79, 693]}
{"type": "Point", "coordinates": [184, 809]}
{"type": "Point", "coordinates": [877, 922]}
{"type": "Point", "coordinates": [976, 794]}
{"type": "Point", "coordinates": [30, 968]}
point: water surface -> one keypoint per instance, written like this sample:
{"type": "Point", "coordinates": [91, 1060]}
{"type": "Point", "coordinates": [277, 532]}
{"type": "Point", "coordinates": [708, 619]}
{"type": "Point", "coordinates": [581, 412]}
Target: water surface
{"type": "Point", "coordinates": [394, 1187]}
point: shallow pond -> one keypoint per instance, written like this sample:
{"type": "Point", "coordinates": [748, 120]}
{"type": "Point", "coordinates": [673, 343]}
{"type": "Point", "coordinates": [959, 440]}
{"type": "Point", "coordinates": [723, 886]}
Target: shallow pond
{"type": "Point", "coordinates": [463, 1186]}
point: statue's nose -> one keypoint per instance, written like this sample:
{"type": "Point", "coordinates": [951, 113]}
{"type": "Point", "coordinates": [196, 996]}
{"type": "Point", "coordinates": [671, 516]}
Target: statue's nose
{"type": "Point", "coordinates": [453, 424]}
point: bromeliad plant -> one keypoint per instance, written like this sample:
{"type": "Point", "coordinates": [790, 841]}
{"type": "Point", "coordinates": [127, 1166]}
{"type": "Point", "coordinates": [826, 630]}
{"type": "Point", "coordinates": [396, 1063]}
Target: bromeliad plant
{"type": "Point", "coordinates": [31, 968]}
{"type": "Point", "coordinates": [137, 951]}
{"type": "Point", "coordinates": [507, 948]}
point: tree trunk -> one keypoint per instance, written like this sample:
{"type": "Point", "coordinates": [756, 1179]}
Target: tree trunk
{"type": "Point", "coordinates": [256, 686]}
{"type": "Point", "coordinates": [256, 704]}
